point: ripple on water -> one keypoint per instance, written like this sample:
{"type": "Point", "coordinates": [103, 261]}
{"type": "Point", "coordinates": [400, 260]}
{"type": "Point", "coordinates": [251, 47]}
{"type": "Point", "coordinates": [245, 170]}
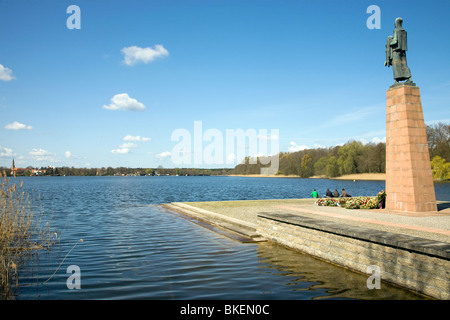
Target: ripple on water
{"type": "Point", "coordinates": [133, 249]}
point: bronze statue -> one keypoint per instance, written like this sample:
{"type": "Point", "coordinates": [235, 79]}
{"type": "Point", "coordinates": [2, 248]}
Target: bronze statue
{"type": "Point", "coordinates": [396, 48]}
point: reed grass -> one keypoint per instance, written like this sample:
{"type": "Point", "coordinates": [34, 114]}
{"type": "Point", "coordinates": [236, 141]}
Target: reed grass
{"type": "Point", "coordinates": [23, 233]}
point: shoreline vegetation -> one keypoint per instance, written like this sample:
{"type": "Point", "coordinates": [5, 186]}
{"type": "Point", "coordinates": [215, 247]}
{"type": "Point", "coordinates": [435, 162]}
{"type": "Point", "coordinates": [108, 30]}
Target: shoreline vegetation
{"type": "Point", "coordinates": [351, 161]}
{"type": "Point", "coordinates": [356, 176]}
{"type": "Point", "coordinates": [441, 175]}
{"type": "Point", "coordinates": [344, 161]}
{"type": "Point", "coordinates": [23, 234]}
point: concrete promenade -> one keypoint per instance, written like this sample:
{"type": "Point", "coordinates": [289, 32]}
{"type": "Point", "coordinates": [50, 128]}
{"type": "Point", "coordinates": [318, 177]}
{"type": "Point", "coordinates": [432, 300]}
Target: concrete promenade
{"type": "Point", "coordinates": [428, 225]}
{"type": "Point", "coordinates": [413, 249]}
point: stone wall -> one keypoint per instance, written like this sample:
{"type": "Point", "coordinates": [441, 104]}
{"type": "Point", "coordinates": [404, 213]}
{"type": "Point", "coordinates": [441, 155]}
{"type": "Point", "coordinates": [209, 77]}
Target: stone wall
{"type": "Point", "coordinates": [418, 264]}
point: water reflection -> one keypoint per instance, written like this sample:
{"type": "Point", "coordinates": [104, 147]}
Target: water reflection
{"type": "Point", "coordinates": [323, 280]}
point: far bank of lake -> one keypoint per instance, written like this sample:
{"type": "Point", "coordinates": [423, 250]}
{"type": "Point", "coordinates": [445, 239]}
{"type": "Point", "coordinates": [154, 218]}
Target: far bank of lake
{"type": "Point", "coordinates": [356, 176]}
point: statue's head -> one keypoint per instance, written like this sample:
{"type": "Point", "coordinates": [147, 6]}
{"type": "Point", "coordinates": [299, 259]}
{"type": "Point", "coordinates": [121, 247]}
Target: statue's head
{"type": "Point", "coordinates": [398, 22]}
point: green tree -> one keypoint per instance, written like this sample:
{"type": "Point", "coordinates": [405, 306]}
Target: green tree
{"type": "Point", "coordinates": [332, 167]}
{"type": "Point", "coordinates": [320, 167]}
{"type": "Point", "coordinates": [376, 158]}
{"type": "Point", "coordinates": [306, 166]}
{"type": "Point", "coordinates": [438, 136]}
{"type": "Point", "coordinates": [440, 168]}
{"type": "Point", "coordinates": [348, 157]}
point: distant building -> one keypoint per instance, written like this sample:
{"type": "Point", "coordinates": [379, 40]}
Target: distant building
{"type": "Point", "coordinates": [22, 171]}
{"type": "Point", "coordinates": [17, 171]}
{"type": "Point", "coordinates": [37, 172]}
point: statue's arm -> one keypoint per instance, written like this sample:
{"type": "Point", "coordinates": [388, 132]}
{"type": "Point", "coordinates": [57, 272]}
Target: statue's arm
{"type": "Point", "coordinates": [388, 61]}
{"type": "Point", "coordinates": [394, 40]}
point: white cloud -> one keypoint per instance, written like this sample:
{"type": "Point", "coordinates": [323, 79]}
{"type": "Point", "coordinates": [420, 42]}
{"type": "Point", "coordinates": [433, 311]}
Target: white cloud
{"type": "Point", "coordinates": [68, 154]}
{"type": "Point", "coordinates": [433, 122]}
{"type": "Point", "coordinates": [134, 54]}
{"type": "Point", "coordinates": [6, 152]}
{"type": "Point", "coordinates": [39, 152]}
{"type": "Point", "coordinates": [122, 101]}
{"type": "Point", "coordinates": [375, 140]}
{"type": "Point", "coordinates": [124, 148]}
{"type": "Point", "coordinates": [294, 147]}
{"type": "Point", "coordinates": [5, 73]}
{"type": "Point", "coordinates": [136, 138]}
{"type": "Point", "coordinates": [164, 154]}
{"type": "Point", "coordinates": [128, 145]}
{"type": "Point", "coordinates": [18, 126]}
{"type": "Point", "coordinates": [231, 158]}
{"type": "Point", "coordinates": [41, 155]}
{"type": "Point", "coordinates": [378, 140]}
{"type": "Point", "coordinates": [120, 151]}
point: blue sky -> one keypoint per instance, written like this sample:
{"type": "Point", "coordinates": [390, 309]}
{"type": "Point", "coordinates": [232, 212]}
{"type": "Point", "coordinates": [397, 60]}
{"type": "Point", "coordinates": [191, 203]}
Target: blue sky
{"type": "Point", "coordinates": [113, 92]}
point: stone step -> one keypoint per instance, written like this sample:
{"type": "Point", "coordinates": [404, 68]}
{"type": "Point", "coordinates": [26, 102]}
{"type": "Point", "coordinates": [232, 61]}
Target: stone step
{"type": "Point", "coordinates": [214, 216]}
{"type": "Point", "coordinates": [246, 232]}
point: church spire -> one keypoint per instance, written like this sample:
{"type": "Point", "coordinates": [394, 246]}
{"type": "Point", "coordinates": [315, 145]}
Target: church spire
{"type": "Point", "coordinates": [13, 168]}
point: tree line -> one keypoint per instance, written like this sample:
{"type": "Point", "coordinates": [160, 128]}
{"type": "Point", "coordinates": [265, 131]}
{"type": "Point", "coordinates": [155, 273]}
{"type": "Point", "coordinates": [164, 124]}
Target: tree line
{"type": "Point", "coordinates": [353, 157]}
{"type": "Point", "coordinates": [118, 171]}
{"type": "Point", "coordinates": [439, 145]}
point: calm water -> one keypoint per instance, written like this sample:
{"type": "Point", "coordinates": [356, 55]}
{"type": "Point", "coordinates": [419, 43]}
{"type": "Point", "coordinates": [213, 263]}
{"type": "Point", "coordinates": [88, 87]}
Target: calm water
{"type": "Point", "coordinates": [133, 249]}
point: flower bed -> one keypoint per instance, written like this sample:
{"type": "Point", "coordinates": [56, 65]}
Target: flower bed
{"type": "Point", "coordinates": [354, 202]}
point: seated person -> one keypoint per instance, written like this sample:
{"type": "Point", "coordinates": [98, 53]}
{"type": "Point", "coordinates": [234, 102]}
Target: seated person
{"type": "Point", "coordinates": [328, 194]}
{"type": "Point", "coordinates": [345, 193]}
{"type": "Point", "coordinates": [336, 193]}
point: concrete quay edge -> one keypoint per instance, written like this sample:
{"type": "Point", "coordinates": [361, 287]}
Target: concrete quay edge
{"type": "Point", "coordinates": [235, 229]}
{"type": "Point", "coordinates": [399, 241]}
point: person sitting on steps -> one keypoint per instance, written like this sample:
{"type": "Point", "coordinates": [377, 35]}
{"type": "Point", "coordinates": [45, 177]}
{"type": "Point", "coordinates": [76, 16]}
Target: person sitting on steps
{"type": "Point", "coordinates": [336, 193]}
{"type": "Point", "coordinates": [345, 193]}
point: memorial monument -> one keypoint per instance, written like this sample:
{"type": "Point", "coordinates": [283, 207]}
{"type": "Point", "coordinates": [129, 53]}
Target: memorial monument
{"type": "Point", "coordinates": [409, 180]}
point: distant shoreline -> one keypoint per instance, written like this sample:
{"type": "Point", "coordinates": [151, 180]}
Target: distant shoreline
{"type": "Point", "coordinates": [357, 176]}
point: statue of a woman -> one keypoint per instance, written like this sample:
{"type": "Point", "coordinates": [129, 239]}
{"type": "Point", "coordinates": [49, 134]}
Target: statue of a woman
{"type": "Point", "coordinates": [396, 48]}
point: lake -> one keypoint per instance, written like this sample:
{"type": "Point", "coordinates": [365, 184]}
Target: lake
{"type": "Point", "coordinates": [134, 249]}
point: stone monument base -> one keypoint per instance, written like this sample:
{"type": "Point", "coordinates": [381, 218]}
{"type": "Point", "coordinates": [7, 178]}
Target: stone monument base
{"type": "Point", "coordinates": [409, 180]}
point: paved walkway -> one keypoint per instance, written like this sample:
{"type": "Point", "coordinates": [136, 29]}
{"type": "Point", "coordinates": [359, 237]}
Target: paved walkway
{"type": "Point", "coordinates": [434, 226]}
